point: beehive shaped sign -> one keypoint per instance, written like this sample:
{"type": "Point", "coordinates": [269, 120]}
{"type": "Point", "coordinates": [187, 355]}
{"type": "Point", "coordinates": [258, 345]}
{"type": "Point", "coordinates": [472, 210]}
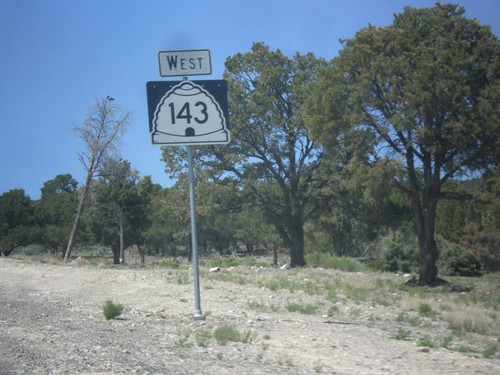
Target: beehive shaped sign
{"type": "Point", "coordinates": [188, 113]}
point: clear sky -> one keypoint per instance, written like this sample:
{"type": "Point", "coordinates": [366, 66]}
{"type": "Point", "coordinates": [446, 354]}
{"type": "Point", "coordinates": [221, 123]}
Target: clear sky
{"type": "Point", "coordinates": [58, 56]}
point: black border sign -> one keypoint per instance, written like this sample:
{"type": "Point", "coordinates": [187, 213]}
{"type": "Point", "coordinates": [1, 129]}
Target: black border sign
{"type": "Point", "coordinates": [188, 112]}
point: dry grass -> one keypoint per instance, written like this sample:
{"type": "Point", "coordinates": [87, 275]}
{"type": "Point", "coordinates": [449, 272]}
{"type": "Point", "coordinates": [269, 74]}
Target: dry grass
{"type": "Point", "coordinates": [471, 319]}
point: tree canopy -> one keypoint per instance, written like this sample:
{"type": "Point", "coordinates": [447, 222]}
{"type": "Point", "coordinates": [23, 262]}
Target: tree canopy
{"type": "Point", "coordinates": [271, 155]}
{"type": "Point", "coordinates": [427, 88]}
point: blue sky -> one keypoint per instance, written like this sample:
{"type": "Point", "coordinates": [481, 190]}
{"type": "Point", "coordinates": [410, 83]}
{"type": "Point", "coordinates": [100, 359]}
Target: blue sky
{"type": "Point", "coordinates": [57, 56]}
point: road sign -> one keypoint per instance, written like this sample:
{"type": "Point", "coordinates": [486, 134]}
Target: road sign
{"type": "Point", "coordinates": [185, 63]}
{"type": "Point", "coordinates": [188, 112]}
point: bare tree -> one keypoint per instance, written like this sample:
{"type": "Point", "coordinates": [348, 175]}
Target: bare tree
{"type": "Point", "coordinates": [101, 133]}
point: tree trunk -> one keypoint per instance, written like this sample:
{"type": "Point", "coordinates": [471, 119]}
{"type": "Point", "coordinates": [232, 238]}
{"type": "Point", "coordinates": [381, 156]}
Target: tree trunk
{"type": "Point", "coordinates": [275, 254]}
{"type": "Point", "coordinates": [79, 212]}
{"type": "Point", "coordinates": [297, 245]}
{"type": "Point", "coordinates": [427, 244]}
{"type": "Point", "coordinates": [116, 254]}
{"type": "Point", "coordinates": [424, 204]}
{"type": "Point", "coordinates": [72, 235]}
{"type": "Point", "coordinates": [142, 254]}
{"type": "Point", "coordinates": [122, 245]}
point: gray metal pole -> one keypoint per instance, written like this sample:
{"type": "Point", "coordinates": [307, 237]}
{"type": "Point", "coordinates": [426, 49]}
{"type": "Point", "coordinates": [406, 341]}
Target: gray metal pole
{"type": "Point", "coordinates": [194, 238]}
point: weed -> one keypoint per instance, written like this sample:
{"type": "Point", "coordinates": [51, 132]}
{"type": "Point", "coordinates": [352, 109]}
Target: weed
{"type": "Point", "coordinates": [183, 341]}
{"type": "Point", "coordinates": [382, 301]}
{"type": "Point", "coordinates": [373, 318]}
{"type": "Point", "coordinates": [247, 337]}
{"type": "Point", "coordinates": [203, 338]}
{"type": "Point", "coordinates": [230, 277]}
{"type": "Point", "coordinates": [261, 306]}
{"type": "Point", "coordinates": [182, 278]}
{"type": "Point", "coordinates": [311, 287]}
{"type": "Point", "coordinates": [355, 293]}
{"type": "Point", "coordinates": [331, 292]}
{"type": "Point", "coordinates": [318, 367]}
{"type": "Point", "coordinates": [401, 317]}
{"type": "Point", "coordinates": [166, 263]}
{"type": "Point", "coordinates": [469, 319]}
{"type": "Point", "coordinates": [112, 310]}
{"type": "Point", "coordinates": [355, 313]}
{"type": "Point", "coordinates": [490, 351]}
{"type": "Point", "coordinates": [426, 342]}
{"type": "Point", "coordinates": [332, 311]}
{"type": "Point", "coordinates": [226, 333]}
{"type": "Point", "coordinates": [302, 309]}
{"type": "Point", "coordinates": [465, 349]}
{"type": "Point", "coordinates": [426, 310]}
{"type": "Point", "coordinates": [402, 334]}
{"type": "Point", "coordinates": [446, 342]}
{"type": "Point", "coordinates": [326, 260]}
{"type": "Point", "coordinates": [278, 283]}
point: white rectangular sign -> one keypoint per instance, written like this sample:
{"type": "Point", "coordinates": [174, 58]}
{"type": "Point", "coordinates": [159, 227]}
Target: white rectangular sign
{"type": "Point", "coordinates": [185, 63]}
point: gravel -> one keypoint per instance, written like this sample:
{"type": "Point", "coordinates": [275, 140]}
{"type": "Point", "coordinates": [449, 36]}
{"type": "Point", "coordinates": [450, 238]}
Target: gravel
{"type": "Point", "coordinates": [51, 322]}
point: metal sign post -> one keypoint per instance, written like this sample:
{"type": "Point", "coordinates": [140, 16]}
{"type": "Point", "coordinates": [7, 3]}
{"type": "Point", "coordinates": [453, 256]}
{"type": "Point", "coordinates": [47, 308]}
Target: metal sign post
{"type": "Point", "coordinates": [188, 113]}
{"type": "Point", "coordinates": [198, 314]}
{"type": "Point", "coordinates": [194, 238]}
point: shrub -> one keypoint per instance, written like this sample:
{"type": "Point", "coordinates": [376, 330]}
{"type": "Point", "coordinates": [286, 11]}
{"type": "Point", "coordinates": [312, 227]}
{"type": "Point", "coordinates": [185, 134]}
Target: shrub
{"type": "Point", "coordinates": [425, 309]}
{"type": "Point", "coordinates": [402, 254]}
{"type": "Point", "coordinates": [226, 333]}
{"type": "Point", "coordinates": [112, 310]}
{"type": "Point", "coordinates": [203, 338]}
{"type": "Point", "coordinates": [454, 260]}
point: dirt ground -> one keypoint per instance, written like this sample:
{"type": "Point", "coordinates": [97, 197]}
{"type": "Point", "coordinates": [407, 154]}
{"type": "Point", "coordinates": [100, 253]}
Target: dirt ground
{"type": "Point", "coordinates": [51, 322]}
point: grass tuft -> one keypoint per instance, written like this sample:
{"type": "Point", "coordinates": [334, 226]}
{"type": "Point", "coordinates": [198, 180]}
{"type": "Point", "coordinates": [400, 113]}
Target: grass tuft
{"type": "Point", "coordinates": [226, 333]}
{"type": "Point", "coordinates": [302, 309]}
{"type": "Point", "coordinates": [112, 310]}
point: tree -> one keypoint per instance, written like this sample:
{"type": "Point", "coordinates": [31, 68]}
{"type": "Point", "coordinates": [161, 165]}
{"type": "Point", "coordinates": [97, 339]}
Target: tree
{"type": "Point", "coordinates": [271, 153]}
{"type": "Point", "coordinates": [101, 133]}
{"type": "Point", "coordinates": [16, 221]}
{"type": "Point", "coordinates": [118, 213]}
{"type": "Point", "coordinates": [427, 87]}
{"type": "Point", "coordinates": [56, 208]}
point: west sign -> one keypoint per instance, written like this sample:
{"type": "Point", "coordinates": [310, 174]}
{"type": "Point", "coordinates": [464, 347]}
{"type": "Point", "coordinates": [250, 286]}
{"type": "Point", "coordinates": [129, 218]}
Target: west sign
{"type": "Point", "coordinates": [185, 63]}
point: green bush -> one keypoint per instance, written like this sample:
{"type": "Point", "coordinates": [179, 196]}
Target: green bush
{"type": "Point", "coordinates": [112, 310]}
{"type": "Point", "coordinates": [402, 255]}
{"type": "Point", "coordinates": [454, 260]}
{"type": "Point", "coordinates": [226, 333]}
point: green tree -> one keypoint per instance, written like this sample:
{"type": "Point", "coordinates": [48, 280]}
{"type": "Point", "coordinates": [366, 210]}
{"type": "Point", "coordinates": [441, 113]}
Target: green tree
{"type": "Point", "coordinates": [100, 132]}
{"type": "Point", "coordinates": [271, 154]}
{"type": "Point", "coordinates": [56, 208]}
{"type": "Point", "coordinates": [16, 221]}
{"type": "Point", "coordinates": [169, 215]}
{"type": "Point", "coordinates": [118, 211]}
{"type": "Point", "coordinates": [427, 88]}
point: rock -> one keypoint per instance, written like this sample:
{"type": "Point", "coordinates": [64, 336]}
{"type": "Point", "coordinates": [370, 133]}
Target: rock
{"type": "Point", "coordinates": [214, 269]}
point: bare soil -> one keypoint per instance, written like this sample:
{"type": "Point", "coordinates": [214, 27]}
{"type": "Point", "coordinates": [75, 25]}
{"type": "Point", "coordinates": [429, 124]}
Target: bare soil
{"type": "Point", "coordinates": [51, 322]}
